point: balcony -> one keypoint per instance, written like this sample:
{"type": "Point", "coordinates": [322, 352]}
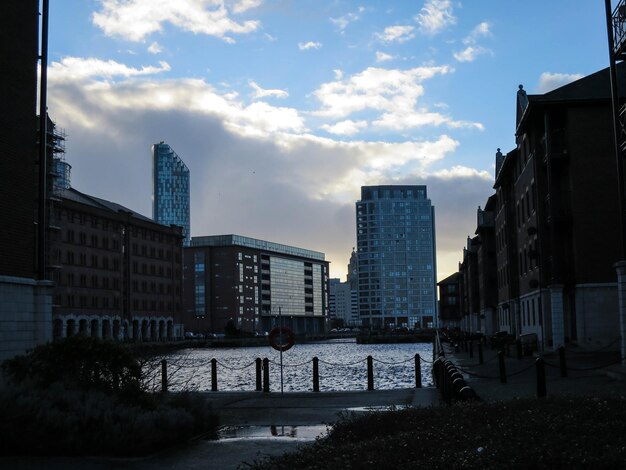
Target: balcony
{"type": "Point", "coordinates": [619, 30]}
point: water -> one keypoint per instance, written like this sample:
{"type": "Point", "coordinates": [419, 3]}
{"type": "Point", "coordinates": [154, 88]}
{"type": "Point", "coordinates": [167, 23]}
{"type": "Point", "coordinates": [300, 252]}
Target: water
{"type": "Point", "coordinates": [342, 367]}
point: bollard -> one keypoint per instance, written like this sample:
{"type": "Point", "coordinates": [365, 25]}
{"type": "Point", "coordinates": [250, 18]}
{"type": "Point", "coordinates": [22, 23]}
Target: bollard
{"type": "Point", "coordinates": [518, 346]}
{"type": "Point", "coordinates": [259, 368]}
{"type": "Point", "coordinates": [370, 373]}
{"type": "Point", "coordinates": [471, 349]}
{"type": "Point", "coordinates": [418, 372]}
{"type": "Point", "coordinates": [266, 375]}
{"type": "Point", "coordinates": [164, 376]}
{"type": "Point", "coordinates": [562, 362]}
{"type": "Point", "coordinates": [481, 359]}
{"type": "Point", "coordinates": [502, 367]}
{"type": "Point", "coordinates": [316, 375]}
{"type": "Point", "coordinates": [214, 375]}
{"type": "Point", "coordinates": [541, 377]}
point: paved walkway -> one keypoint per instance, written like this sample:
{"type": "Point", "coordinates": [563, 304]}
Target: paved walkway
{"type": "Point", "coordinates": [588, 373]}
{"type": "Point", "coordinates": [274, 424]}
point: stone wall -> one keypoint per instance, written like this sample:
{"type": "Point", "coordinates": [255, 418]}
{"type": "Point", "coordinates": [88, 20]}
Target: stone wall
{"type": "Point", "coordinates": [25, 314]}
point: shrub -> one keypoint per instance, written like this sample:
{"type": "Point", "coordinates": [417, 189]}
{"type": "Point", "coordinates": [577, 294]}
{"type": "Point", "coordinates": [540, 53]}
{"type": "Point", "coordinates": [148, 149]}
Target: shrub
{"type": "Point", "coordinates": [83, 396]}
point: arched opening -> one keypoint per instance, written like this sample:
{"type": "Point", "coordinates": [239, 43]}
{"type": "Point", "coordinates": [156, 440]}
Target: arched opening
{"type": "Point", "coordinates": [106, 329]}
{"type": "Point", "coordinates": [135, 330]}
{"type": "Point", "coordinates": [94, 328]}
{"type": "Point", "coordinates": [57, 328]}
{"type": "Point", "coordinates": [144, 330]}
{"type": "Point", "coordinates": [161, 330]}
{"type": "Point", "coordinates": [117, 334]}
{"type": "Point", "coordinates": [70, 328]}
{"type": "Point", "coordinates": [153, 330]}
{"type": "Point", "coordinates": [82, 326]}
{"type": "Point", "coordinates": [170, 330]}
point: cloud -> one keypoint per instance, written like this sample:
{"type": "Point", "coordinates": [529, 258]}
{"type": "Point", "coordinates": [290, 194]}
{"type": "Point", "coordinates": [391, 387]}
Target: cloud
{"type": "Point", "coordinates": [304, 46]}
{"type": "Point", "coordinates": [435, 16]}
{"type": "Point", "coordinates": [550, 81]}
{"type": "Point", "coordinates": [396, 34]}
{"type": "Point", "coordinates": [343, 21]}
{"type": "Point", "coordinates": [256, 169]}
{"type": "Point", "coordinates": [392, 93]}
{"type": "Point", "coordinates": [473, 49]}
{"type": "Point", "coordinates": [154, 48]}
{"type": "Point", "coordinates": [75, 68]}
{"type": "Point", "coordinates": [382, 57]}
{"type": "Point", "coordinates": [470, 53]}
{"type": "Point", "coordinates": [347, 127]}
{"type": "Point", "coordinates": [135, 20]}
{"type": "Point", "coordinates": [262, 93]}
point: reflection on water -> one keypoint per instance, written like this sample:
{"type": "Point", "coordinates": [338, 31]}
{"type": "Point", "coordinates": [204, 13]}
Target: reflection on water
{"type": "Point", "coordinates": [295, 432]}
{"type": "Point", "coordinates": [342, 366]}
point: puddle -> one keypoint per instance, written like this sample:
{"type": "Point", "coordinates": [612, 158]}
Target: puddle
{"type": "Point", "coordinates": [378, 408]}
{"type": "Point", "coordinates": [296, 432]}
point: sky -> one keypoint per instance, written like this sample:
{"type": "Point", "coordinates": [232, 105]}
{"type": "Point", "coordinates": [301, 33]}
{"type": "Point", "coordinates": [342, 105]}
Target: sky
{"type": "Point", "coordinates": [283, 109]}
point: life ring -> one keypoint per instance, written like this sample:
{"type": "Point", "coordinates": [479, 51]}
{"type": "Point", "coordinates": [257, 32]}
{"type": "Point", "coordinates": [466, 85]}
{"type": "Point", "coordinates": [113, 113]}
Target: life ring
{"type": "Point", "coordinates": [277, 333]}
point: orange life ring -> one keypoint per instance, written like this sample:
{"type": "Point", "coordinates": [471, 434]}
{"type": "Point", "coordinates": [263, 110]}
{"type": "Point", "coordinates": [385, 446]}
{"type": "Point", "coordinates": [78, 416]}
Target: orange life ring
{"type": "Point", "coordinates": [277, 333]}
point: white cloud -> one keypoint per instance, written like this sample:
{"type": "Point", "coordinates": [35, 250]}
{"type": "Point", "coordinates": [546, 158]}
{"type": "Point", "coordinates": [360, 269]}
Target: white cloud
{"type": "Point", "coordinates": [304, 46]}
{"type": "Point", "coordinates": [550, 81]}
{"type": "Point", "coordinates": [392, 93]}
{"type": "Point", "coordinates": [262, 93]}
{"type": "Point", "coordinates": [396, 34]}
{"type": "Point", "coordinates": [470, 53]}
{"type": "Point", "coordinates": [75, 68]}
{"type": "Point", "coordinates": [459, 171]}
{"type": "Point", "coordinates": [154, 48]}
{"type": "Point", "coordinates": [473, 49]}
{"type": "Point", "coordinates": [343, 21]}
{"type": "Point", "coordinates": [134, 20]}
{"type": "Point", "coordinates": [347, 127]}
{"type": "Point", "coordinates": [383, 57]}
{"type": "Point", "coordinates": [435, 16]}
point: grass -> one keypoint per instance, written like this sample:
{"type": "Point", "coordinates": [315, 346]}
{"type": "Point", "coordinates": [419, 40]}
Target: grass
{"type": "Point", "coordinates": [555, 433]}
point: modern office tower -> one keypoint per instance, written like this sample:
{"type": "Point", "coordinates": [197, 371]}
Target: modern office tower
{"type": "Point", "coordinates": [234, 282]}
{"type": "Point", "coordinates": [396, 257]}
{"type": "Point", "coordinates": [170, 177]}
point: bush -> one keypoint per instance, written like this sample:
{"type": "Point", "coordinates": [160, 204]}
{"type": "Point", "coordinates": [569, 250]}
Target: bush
{"type": "Point", "coordinates": [83, 396]}
{"type": "Point", "coordinates": [79, 362]}
{"type": "Point", "coordinates": [553, 433]}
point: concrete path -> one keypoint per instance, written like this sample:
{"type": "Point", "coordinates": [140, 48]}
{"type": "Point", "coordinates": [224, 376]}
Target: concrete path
{"type": "Point", "coordinates": [588, 373]}
{"type": "Point", "coordinates": [273, 424]}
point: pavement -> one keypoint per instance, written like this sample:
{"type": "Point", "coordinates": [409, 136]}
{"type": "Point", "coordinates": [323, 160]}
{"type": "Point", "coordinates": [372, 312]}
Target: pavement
{"type": "Point", "coordinates": [597, 373]}
{"type": "Point", "coordinates": [255, 425]}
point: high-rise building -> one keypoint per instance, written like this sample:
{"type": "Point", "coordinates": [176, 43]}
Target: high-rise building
{"type": "Point", "coordinates": [396, 257]}
{"type": "Point", "coordinates": [170, 177]}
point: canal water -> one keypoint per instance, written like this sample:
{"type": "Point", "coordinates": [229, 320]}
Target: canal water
{"type": "Point", "coordinates": [342, 367]}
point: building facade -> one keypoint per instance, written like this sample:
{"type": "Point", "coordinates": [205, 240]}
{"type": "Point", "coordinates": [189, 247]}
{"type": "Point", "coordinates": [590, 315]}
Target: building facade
{"type": "Point", "coordinates": [449, 301]}
{"type": "Point", "coordinates": [235, 283]}
{"type": "Point", "coordinates": [117, 274]}
{"type": "Point", "coordinates": [25, 317]}
{"type": "Point", "coordinates": [396, 257]}
{"type": "Point", "coordinates": [171, 183]}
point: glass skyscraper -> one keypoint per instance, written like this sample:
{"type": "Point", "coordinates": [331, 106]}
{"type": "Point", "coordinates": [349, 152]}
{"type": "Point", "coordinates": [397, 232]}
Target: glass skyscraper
{"type": "Point", "coordinates": [170, 177]}
{"type": "Point", "coordinates": [396, 257]}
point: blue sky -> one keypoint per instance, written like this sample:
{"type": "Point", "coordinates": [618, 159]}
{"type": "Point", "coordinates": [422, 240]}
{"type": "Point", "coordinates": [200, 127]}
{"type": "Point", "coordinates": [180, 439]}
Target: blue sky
{"type": "Point", "coordinates": [282, 109]}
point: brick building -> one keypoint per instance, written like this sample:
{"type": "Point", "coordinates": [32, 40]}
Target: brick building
{"type": "Point", "coordinates": [117, 273]}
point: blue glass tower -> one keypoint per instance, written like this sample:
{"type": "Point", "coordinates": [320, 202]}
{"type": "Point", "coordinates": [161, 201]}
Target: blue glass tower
{"type": "Point", "coordinates": [396, 257]}
{"type": "Point", "coordinates": [170, 177]}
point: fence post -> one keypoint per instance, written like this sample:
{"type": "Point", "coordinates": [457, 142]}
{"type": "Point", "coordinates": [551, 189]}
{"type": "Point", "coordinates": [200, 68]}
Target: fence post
{"type": "Point", "coordinates": [562, 362]}
{"type": "Point", "coordinates": [266, 375]}
{"type": "Point", "coordinates": [471, 349]}
{"type": "Point", "coordinates": [164, 376]}
{"type": "Point", "coordinates": [541, 377]}
{"type": "Point", "coordinates": [370, 373]}
{"type": "Point", "coordinates": [316, 374]}
{"type": "Point", "coordinates": [418, 371]}
{"type": "Point", "coordinates": [214, 375]}
{"type": "Point", "coordinates": [502, 367]}
{"type": "Point", "coordinates": [259, 367]}
{"type": "Point", "coordinates": [481, 359]}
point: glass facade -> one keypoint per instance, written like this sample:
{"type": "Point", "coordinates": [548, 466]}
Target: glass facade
{"type": "Point", "coordinates": [170, 189]}
{"type": "Point", "coordinates": [396, 257]}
